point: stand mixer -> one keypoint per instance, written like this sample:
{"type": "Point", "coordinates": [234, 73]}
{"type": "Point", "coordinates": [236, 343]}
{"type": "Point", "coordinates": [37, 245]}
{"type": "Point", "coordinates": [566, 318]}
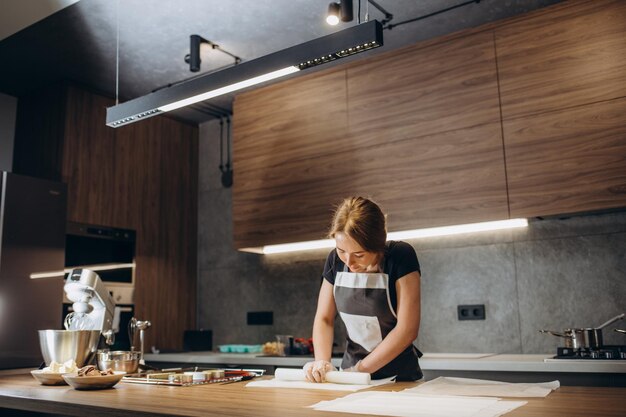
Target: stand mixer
{"type": "Point", "coordinates": [93, 305]}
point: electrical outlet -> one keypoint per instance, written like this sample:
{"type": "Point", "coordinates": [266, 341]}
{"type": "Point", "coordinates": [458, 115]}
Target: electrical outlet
{"type": "Point", "coordinates": [471, 312]}
{"type": "Point", "coordinates": [260, 317]}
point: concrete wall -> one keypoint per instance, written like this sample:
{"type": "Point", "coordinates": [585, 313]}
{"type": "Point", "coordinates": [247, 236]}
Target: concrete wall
{"type": "Point", "coordinates": [558, 273]}
{"type": "Point", "coordinates": [8, 111]}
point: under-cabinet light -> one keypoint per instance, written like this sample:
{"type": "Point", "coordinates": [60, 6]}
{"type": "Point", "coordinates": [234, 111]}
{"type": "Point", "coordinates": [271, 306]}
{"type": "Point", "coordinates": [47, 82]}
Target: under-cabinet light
{"type": "Point", "coordinates": [400, 235]}
{"type": "Point", "coordinates": [319, 51]}
{"type": "Point", "coordinates": [103, 267]}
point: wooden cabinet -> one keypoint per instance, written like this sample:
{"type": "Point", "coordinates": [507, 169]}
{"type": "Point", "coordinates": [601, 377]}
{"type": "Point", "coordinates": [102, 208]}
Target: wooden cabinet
{"type": "Point", "coordinates": [143, 177]}
{"type": "Point", "coordinates": [567, 161]}
{"type": "Point", "coordinates": [419, 91]}
{"type": "Point", "coordinates": [286, 139]}
{"type": "Point", "coordinates": [426, 125]}
{"type": "Point", "coordinates": [416, 130]}
{"type": "Point", "coordinates": [563, 82]}
{"type": "Point", "coordinates": [569, 55]}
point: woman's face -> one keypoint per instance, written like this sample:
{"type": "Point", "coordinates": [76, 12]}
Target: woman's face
{"type": "Point", "coordinates": [353, 255]}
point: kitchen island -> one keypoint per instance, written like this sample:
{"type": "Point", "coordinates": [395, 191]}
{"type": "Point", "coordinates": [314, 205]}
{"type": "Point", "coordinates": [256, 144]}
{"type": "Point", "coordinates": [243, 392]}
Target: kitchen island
{"type": "Point", "coordinates": [20, 391]}
{"type": "Point", "coordinates": [502, 367]}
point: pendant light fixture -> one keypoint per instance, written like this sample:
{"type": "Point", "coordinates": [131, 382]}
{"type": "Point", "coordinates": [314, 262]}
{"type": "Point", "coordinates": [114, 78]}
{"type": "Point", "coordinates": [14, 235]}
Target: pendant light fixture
{"type": "Point", "coordinates": [319, 51]}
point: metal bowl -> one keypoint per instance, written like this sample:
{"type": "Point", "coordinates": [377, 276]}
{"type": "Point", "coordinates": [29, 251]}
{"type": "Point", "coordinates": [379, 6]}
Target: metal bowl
{"type": "Point", "coordinates": [119, 360]}
{"type": "Point", "coordinates": [63, 345]}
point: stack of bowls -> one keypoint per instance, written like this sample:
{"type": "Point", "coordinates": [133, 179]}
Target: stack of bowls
{"type": "Point", "coordinates": [62, 345]}
{"type": "Point", "coordinates": [119, 360]}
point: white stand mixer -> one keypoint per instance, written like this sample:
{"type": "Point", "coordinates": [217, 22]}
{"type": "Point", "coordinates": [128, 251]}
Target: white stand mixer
{"type": "Point", "coordinates": [93, 305]}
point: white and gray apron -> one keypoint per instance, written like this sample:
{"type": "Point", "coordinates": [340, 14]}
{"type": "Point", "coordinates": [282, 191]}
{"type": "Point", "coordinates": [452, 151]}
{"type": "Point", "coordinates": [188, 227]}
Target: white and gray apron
{"type": "Point", "coordinates": [365, 307]}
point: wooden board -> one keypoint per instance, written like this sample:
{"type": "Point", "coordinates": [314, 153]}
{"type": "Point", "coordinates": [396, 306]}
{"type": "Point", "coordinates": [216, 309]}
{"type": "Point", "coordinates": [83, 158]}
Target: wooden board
{"type": "Point", "coordinates": [564, 57]}
{"type": "Point", "coordinates": [567, 161]}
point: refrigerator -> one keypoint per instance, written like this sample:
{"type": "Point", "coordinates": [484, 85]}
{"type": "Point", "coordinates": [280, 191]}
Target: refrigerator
{"type": "Point", "coordinates": [32, 250]}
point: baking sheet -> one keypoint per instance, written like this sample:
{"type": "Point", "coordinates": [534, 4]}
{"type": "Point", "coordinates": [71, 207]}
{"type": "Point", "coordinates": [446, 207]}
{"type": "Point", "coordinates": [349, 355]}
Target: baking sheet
{"type": "Point", "coordinates": [230, 376]}
{"type": "Point", "coordinates": [482, 387]}
{"type": "Point", "coordinates": [403, 404]}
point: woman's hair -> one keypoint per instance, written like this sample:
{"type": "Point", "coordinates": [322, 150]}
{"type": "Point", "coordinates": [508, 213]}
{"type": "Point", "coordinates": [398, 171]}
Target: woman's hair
{"type": "Point", "coordinates": [363, 221]}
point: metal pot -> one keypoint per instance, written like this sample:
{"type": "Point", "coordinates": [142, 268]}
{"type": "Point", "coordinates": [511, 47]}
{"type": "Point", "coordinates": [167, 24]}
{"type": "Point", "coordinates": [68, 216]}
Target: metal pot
{"type": "Point", "coordinates": [572, 338]}
{"type": "Point", "coordinates": [590, 337]}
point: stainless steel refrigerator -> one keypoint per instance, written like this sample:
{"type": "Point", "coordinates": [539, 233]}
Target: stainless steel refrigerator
{"type": "Point", "coordinates": [32, 243]}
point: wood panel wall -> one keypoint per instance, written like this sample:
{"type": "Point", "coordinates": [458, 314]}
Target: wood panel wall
{"type": "Point", "coordinates": [143, 177]}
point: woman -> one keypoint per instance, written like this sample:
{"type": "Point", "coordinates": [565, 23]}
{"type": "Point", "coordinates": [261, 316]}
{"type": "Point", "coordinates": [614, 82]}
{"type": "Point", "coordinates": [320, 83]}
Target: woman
{"type": "Point", "coordinates": [374, 285]}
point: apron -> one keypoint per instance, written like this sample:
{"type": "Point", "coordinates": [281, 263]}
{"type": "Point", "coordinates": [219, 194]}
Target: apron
{"type": "Point", "coordinates": [363, 302]}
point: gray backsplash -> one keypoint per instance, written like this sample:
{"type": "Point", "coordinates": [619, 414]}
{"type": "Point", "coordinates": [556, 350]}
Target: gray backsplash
{"type": "Point", "coordinates": [557, 273]}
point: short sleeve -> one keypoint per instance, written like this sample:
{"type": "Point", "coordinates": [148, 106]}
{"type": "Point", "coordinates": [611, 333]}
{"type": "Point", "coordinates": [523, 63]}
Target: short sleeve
{"type": "Point", "coordinates": [330, 268]}
{"type": "Point", "coordinates": [404, 259]}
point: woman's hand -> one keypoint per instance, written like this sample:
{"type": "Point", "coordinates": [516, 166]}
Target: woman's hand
{"type": "Point", "coordinates": [316, 371]}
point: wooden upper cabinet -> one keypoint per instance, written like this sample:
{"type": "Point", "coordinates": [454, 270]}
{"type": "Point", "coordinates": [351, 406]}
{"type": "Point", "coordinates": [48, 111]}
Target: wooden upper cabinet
{"type": "Point", "coordinates": [275, 129]}
{"type": "Point", "coordinates": [418, 131]}
{"type": "Point", "coordinates": [419, 91]}
{"type": "Point", "coordinates": [568, 161]}
{"type": "Point", "coordinates": [563, 57]}
{"type": "Point", "coordinates": [428, 120]}
{"type": "Point", "coordinates": [563, 83]}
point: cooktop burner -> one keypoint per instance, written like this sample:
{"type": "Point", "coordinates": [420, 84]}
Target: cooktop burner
{"type": "Point", "coordinates": [609, 352]}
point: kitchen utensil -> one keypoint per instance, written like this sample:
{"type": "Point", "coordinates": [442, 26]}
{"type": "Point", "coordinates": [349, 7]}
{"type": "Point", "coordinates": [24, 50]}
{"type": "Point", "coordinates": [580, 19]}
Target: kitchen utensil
{"type": "Point", "coordinates": [590, 337]}
{"type": "Point", "coordinates": [93, 382]}
{"type": "Point", "coordinates": [610, 321]}
{"type": "Point", "coordinates": [92, 303]}
{"type": "Point", "coordinates": [48, 378]}
{"type": "Point", "coordinates": [63, 345]}
{"type": "Point", "coordinates": [336, 377]}
{"type": "Point", "coordinates": [133, 325]}
{"type": "Point", "coordinates": [118, 360]}
{"type": "Point", "coordinates": [572, 338]}
{"type": "Point", "coordinates": [594, 335]}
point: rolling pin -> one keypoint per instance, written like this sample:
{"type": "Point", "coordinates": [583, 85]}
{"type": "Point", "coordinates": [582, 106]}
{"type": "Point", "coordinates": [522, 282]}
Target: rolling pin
{"type": "Point", "coordinates": [336, 377]}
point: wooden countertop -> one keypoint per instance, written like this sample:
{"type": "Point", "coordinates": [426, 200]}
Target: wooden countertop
{"type": "Point", "coordinates": [127, 399]}
{"type": "Point", "coordinates": [430, 361]}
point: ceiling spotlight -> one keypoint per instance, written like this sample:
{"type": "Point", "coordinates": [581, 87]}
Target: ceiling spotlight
{"type": "Point", "coordinates": [342, 10]}
{"type": "Point", "coordinates": [334, 9]}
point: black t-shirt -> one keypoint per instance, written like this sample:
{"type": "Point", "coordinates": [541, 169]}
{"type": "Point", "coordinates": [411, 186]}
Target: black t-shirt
{"type": "Point", "coordinates": [399, 260]}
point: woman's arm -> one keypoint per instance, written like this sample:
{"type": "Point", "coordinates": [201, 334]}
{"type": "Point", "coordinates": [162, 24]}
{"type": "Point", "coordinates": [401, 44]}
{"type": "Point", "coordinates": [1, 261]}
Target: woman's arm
{"type": "Point", "coordinates": [323, 327]}
{"type": "Point", "coordinates": [324, 323]}
{"type": "Point", "coordinates": [405, 332]}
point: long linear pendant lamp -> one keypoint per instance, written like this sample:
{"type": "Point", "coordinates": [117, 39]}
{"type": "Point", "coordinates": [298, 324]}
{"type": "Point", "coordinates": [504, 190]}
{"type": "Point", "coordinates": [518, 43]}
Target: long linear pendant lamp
{"type": "Point", "coordinates": [328, 48]}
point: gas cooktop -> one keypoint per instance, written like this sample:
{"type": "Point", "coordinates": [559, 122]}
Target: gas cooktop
{"type": "Point", "coordinates": [609, 352]}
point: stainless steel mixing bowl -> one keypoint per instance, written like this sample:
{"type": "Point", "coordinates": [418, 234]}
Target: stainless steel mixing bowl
{"type": "Point", "coordinates": [63, 345]}
{"type": "Point", "coordinates": [119, 360]}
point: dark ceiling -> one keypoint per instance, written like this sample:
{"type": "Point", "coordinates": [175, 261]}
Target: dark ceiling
{"type": "Point", "coordinates": [79, 43]}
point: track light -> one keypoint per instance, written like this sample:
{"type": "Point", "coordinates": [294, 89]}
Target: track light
{"type": "Point", "coordinates": [341, 10]}
{"type": "Point", "coordinates": [319, 51]}
{"type": "Point", "coordinates": [334, 9]}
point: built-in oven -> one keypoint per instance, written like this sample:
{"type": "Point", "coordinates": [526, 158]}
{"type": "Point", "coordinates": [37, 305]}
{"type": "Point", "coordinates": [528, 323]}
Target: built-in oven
{"type": "Point", "coordinates": [110, 252]}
